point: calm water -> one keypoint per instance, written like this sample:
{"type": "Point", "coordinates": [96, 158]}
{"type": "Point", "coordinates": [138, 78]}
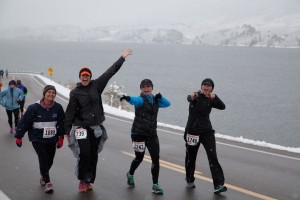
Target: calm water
{"type": "Point", "coordinates": [260, 86]}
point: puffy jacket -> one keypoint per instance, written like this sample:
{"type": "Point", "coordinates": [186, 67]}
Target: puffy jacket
{"type": "Point", "coordinates": [199, 111]}
{"type": "Point", "coordinates": [85, 104]}
{"type": "Point", "coordinates": [37, 120]}
{"type": "Point", "coordinates": [146, 111]}
{"type": "Point", "coordinates": [10, 98]}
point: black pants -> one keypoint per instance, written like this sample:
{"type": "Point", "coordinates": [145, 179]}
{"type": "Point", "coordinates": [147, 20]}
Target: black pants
{"type": "Point", "coordinates": [88, 157]}
{"type": "Point", "coordinates": [152, 144]}
{"type": "Point", "coordinates": [209, 143]}
{"type": "Point", "coordinates": [46, 153]}
{"type": "Point", "coordinates": [16, 115]}
{"type": "Point", "coordinates": [22, 106]}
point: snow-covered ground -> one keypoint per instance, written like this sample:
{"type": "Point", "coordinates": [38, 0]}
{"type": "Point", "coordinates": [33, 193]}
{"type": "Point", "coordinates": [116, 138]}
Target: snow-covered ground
{"type": "Point", "coordinates": [256, 31]}
{"type": "Point", "coordinates": [130, 115]}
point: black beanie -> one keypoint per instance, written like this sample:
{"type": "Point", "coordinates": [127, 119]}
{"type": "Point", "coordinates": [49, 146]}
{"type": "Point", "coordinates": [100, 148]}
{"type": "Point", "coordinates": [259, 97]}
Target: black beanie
{"type": "Point", "coordinates": [85, 70]}
{"type": "Point", "coordinates": [208, 81]}
{"type": "Point", "coordinates": [48, 87]}
{"type": "Point", "coordinates": [146, 82]}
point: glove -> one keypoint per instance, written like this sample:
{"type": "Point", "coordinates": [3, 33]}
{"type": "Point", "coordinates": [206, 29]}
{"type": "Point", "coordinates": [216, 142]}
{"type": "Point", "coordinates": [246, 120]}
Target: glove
{"type": "Point", "coordinates": [127, 98]}
{"type": "Point", "coordinates": [157, 97]}
{"type": "Point", "coordinates": [60, 142]}
{"type": "Point", "coordinates": [19, 142]}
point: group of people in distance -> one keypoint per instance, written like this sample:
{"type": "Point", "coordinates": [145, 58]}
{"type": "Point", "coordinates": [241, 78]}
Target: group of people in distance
{"type": "Point", "coordinates": [82, 123]}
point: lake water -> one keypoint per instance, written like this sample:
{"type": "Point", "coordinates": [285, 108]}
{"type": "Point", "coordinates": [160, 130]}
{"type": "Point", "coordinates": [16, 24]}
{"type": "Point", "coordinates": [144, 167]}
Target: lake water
{"type": "Point", "coordinates": [260, 86]}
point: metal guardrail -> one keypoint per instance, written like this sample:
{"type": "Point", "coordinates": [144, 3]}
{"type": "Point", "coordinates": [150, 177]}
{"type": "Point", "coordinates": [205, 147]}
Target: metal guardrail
{"type": "Point", "coordinates": [25, 72]}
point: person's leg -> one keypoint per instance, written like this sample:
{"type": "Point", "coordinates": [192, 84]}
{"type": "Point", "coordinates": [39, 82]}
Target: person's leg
{"type": "Point", "coordinates": [152, 145]}
{"type": "Point", "coordinates": [9, 115]}
{"type": "Point", "coordinates": [22, 103]}
{"type": "Point", "coordinates": [190, 161]}
{"type": "Point", "coordinates": [41, 151]}
{"type": "Point", "coordinates": [84, 157]}
{"type": "Point", "coordinates": [209, 143]}
{"type": "Point", "coordinates": [16, 115]}
{"type": "Point", "coordinates": [94, 144]}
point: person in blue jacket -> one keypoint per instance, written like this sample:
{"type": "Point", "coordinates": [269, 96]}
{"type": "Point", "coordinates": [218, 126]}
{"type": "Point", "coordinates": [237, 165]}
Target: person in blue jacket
{"type": "Point", "coordinates": [144, 133]}
{"type": "Point", "coordinates": [25, 91]}
{"type": "Point", "coordinates": [10, 99]}
{"type": "Point", "coordinates": [44, 122]}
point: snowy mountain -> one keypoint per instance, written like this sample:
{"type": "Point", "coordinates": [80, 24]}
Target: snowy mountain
{"type": "Point", "coordinates": [264, 31]}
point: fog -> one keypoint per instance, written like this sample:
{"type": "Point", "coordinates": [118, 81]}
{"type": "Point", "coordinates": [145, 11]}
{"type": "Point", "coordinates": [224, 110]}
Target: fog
{"type": "Point", "coordinates": [91, 13]}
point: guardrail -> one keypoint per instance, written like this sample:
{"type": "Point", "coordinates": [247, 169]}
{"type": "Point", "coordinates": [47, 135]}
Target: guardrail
{"type": "Point", "coordinates": [25, 72]}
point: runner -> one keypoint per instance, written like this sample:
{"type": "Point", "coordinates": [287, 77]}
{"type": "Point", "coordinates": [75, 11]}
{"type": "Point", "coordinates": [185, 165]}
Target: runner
{"type": "Point", "coordinates": [199, 130]}
{"type": "Point", "coordinates": [10, 99]}
{"type": "Point", "coordinates": [143, 132]}
{"type": "Point", "coordinates": [44, 122]}
{"type": "Point", "coordinates": [24, 90]}
{"type": "Point", "coordinates": [84, 118]}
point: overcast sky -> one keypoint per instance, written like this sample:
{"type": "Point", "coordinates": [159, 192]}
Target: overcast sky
{"type": "Point", "coordinates": [90, 13]}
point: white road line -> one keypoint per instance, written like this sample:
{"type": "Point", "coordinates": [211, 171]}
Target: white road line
{"type": "Point", "coordinates": [3, 196]}
{"type": "Point", "coordinates": [178, 134]}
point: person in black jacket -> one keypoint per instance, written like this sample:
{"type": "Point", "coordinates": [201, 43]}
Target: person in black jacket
{"type": "Point", "coordinates": [143, 131]}
{"type": "Point", "coordinates": [84, 118]}
{"type": "Point", "coordinates": [199, 130]}
{"type": "Point", "coordinates": [44, 122]}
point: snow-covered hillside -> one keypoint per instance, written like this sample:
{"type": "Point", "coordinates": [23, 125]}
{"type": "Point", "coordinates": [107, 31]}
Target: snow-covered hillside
{"type": "Point", "coordinates": [263, 31]}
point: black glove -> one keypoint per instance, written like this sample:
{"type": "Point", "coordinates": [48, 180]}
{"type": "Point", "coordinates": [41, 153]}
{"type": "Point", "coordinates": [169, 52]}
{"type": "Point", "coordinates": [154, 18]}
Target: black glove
{"type": "Point", "coordinates": [157, 97]}
{"type": "Point", "coordinates": [189, 98]}
{"type": "Point", "coordinates": [127, 98]}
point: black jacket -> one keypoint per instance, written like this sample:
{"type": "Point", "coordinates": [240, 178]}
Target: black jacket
{"type": "Point", "coordinates": [199, 110]}
{"type": "Point", "coordinates": [85, 105]}
{"type": "Point", "coordinates": [145, 120]}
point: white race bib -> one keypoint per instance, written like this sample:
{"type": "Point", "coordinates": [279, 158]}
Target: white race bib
{"type": "Point", "coordinates": [192, 140]}
{"type": "Point", "coordinates": [139, 146]}
{"type": "Point", "coordinates": [49, 132]}
{"type": "Point", "coordinates": [80, 133]}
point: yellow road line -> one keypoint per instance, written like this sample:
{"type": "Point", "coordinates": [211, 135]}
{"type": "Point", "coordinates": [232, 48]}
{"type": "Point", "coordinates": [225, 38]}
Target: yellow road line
{"type": "Point", "coordinates": [181, 169]}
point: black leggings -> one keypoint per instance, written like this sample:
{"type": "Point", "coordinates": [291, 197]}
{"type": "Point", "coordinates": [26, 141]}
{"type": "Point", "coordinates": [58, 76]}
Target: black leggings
{"type": "Point", "coordinates": [46, 153]}
{"type": "Point", "coordinates": [152, 144]}
{"type": "Point", "coordinates": [22, 106]}
{"type": "Point", "coordinates": [16, 115]}
{"type": "Point", "coordinates": [209, 143]}
{"type": "Point", "coordinates": [88, 157]}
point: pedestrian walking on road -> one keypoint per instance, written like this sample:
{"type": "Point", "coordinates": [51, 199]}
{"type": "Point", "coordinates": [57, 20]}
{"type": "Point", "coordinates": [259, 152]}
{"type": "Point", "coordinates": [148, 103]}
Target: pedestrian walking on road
{"type": "Point", "coordinates": [0, 86]}
{"type": "Point", "coordinates": [25, 91]}
{"type": "Point", "coordinates": [44, 122]}
{"type": "Point", "coordinates": [84, 121]}
{"type": "Point", "coordinates": [1, 73]}
{"type": "Point", "coordinates": [199, 130]}
{"type": "Point", "coordinates": [143, 131]}
{"type": "Point", "coordinates": [10, 99]}
{"type": "Point", "coordinates": [6, 73]}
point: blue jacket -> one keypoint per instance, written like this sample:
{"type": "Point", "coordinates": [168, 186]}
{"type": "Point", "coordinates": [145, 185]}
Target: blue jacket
{"type": "Point", "coordinates": [37, 120]}
{"type": "Point", "coordinates": [10, 98]}
{"type": "Point", "coordinates": [139, 102]}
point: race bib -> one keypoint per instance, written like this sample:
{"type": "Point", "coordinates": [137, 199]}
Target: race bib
{"type": "Point", "coordinates": [49, 132]}
{"type": "Point", "coordinates": [192, 140]}
{"type": "Point", "coordinates": [80, 133]}
{"type": "Point", "coordinates": [139, 146]}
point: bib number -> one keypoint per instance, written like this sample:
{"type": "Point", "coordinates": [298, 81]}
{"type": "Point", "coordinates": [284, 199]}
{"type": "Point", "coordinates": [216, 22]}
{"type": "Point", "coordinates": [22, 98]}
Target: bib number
{"type": "Point", "coordinates": [49, 132]}
{"type": "Point", "coordinates": [192, 140]}
{"type": "Point", "coordinates": [139, 146]}
{"type": "Point", "coordinates": [80, 133]}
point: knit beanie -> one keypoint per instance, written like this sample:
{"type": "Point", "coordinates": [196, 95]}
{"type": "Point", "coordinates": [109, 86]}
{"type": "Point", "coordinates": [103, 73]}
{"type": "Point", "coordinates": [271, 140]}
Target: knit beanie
{"type": "Point", "coordinates": [146, 82]}
{"type": "Point", "coordinates": [48, 87]}
{"type": "Point", "coordinates": [85, 71]}
{"type": "Point", "coordinates": [209, 82]}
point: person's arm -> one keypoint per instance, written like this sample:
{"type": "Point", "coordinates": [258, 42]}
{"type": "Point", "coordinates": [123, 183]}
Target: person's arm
{"type": "Point", "coordinates": [60, 121]}
{"type": "Point", "coordinates": [70, 113]}
{"type": "Point", "coordinates": [163, 102]}
{"type": "Point", "coordinates": [217, 102]}
{"type": "Point", "coordinates": [2, 94]}
{"type": "Point", "coordinates": [106, 76]}
{"type": "Point", "coordinates": [136, 101]}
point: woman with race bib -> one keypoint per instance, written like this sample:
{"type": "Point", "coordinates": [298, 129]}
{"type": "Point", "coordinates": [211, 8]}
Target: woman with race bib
{"type": "Point", "coordinates": [44, 122]}
{"type": "Point", "coordinates": [199, 130]}
{"type": "Point", "coordinates": [84, 121]}
{"type": "Point", "coordinates": [143, 132]}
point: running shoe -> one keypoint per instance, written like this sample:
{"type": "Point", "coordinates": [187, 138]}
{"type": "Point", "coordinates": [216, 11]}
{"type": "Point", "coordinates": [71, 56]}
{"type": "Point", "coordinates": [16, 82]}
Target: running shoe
{"type": "Point", "coordinates": [42, 181]}
{"type": "Point", "coordinates": [156, 189]}
{"type": "Point", "coordinates": [49, 187]}
{"type": "Point", "coordinates": [219, 189]}
{"type": "Point", "coordinates": [130, 180]}
{"type": "Point", "coordinates": [89, 187]}
{"type": "Point", "coordinates": [82, 186]}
